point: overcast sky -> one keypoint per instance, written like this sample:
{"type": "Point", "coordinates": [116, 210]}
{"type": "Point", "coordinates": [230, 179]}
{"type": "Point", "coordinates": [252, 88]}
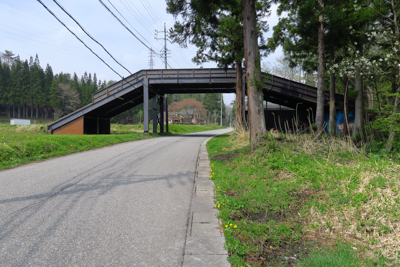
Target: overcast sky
{"type": "Point", "coordinates": [27, 29]}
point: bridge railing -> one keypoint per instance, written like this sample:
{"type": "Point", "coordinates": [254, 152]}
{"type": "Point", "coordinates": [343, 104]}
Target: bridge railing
{"type": "Point", "coordinates": [161, 74]}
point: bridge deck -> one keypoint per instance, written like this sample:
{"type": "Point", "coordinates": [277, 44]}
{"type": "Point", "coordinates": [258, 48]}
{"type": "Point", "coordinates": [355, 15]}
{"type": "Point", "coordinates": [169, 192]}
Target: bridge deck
{"type": "Point", "coordinates": [129, 92]}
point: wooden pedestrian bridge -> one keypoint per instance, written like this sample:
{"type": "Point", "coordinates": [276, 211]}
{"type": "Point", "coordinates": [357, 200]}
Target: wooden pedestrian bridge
{"type": "Point", "coordinates": [144, 85]}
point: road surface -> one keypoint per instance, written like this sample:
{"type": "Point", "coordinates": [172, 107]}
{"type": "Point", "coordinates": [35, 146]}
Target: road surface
{"type": "Point", "coordinates": [123, 205]}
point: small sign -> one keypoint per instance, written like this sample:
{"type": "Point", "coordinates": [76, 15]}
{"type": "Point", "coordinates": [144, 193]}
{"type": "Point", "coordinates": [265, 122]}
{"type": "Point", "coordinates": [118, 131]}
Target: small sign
{"type": "Point", "coordinates": [20, 122]}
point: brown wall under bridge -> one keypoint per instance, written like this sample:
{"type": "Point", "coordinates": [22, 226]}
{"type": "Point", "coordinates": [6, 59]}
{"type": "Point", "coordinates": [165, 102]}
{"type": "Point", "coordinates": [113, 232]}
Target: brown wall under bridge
{"type": "Point", "coordinates": [143, 85]}
{"type": "Point", "coordinates": [85, 125]}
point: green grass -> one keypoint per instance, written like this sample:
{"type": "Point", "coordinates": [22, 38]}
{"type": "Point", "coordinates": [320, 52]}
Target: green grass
{"type": "Point", "coordinates": [290, 197]}
{"type": "Point", "coordinates": [25, 144]}
{"type": "Point", "coordinates": [342, 255]}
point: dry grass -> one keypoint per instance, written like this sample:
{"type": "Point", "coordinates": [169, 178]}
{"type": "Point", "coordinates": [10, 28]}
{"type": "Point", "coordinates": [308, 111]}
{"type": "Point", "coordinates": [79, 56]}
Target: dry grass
{"type": "Point", "coordinates": [240, 137]}
{"type": "Point", "coordinates": [375, 224]}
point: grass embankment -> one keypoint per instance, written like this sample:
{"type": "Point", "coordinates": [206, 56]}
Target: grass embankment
{"type": "Point", "coordinates": [24, 144]}
{"type": "Point", "coordinates": [296, 201]}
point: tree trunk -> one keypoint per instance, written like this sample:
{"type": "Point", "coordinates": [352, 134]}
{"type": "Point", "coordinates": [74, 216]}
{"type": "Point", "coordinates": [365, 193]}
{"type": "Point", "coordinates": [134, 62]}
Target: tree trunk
{"type": "Point", "coordinates": [37, 112]}
{"type": "Point", "coordinates": [332, 108]}
{"type": "Point", "coordinates": [239, 94]}
{"type": "Point", "coordinates": [392, 133]}
{"type": "Point", "coordinates": [389, 143]}
{"type": "Point", "coordinates": [255, 94]}
{"type": "Point", "coordinates": [359, 104]}
{"type": "Point", "coordinates": [319, 116]}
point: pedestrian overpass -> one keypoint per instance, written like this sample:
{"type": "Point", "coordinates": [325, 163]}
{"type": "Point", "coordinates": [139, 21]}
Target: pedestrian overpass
{"type": "Point", "coordinates": [153, 84]}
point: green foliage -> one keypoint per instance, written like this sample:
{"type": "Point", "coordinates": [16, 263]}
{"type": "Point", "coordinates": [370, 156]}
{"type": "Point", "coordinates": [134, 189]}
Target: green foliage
{"type": "Point", "coordinates": [269, 194]}
{"type": "Point", "coordinates": [24, 84]}
{"type": "Point", "coordinates": [341, 255]}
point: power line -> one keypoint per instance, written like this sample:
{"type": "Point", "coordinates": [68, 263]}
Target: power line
{"type": "Point", "coordinates": [136, 16]}
{"type": "Point", "coordinates": [123, 24]}
{"type": "Point", "coordinates": [127, 21]}
{"type": "Point", "coordinates": [77, 37]}
{"type": "Point", "coordinates": [88, 34]}
{"type": "Point", "coordinates": [150, 13]}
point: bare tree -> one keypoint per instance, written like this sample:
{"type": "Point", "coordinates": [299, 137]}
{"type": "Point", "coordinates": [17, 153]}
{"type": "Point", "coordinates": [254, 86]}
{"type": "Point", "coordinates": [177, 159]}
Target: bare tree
{"type": "Point", "coordinates": [69, 98]}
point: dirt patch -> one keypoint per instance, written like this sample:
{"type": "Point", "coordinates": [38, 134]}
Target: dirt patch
{"type": "Point", "coordinates": [225, 157]}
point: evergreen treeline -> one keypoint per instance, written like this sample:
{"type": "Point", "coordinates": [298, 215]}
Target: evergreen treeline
{"type": "Point", "coordinates": [28, 91]}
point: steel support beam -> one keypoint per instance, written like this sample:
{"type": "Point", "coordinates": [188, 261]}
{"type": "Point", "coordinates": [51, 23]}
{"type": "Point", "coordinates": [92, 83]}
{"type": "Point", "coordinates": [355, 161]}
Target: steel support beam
{"type": "Point", "coordinates": [166, 113]}
{"type": "Point", "coordinates": [161, 113]}
{"type": "Point", "coordinates": [146, 104]}
{"type": "Point", "coordinates": [155, 122]}
{"type": "Point", "coordinates": [244, 101]}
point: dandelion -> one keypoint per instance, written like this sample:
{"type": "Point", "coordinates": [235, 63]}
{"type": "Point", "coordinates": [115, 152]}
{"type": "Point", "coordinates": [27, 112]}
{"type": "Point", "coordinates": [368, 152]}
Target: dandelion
{"type": "Point", "coordinates": [217, 186]}
{"type": "Point", "coordinates": [219, 205]}
{"type": "Point", "coordinates": [235, 226]}
{"type": "Point", "coordinates": [230, 224]}
{"type": "Point", "coordinates": [226, 226]}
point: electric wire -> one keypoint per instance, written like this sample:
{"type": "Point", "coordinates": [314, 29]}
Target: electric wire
{"type": "Point", "coordinates": [128, 22]}
{"type": "Point", "coordinates": [77, 37]}
{"type": "Point", "coordinates": [150, 13]}
{"type": "Point", "coordinates": [137, 17]}
{"type": "Point", "coordinates": [90, 36]}
{"type": "Point", "coordinates": [56, 49]}
{"type": "Point", "coordinates": [125, 26]}
{"type": "Point", "coordinates": [27, 35]}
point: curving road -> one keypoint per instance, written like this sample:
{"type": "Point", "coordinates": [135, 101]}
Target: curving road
{"type": "Point", "coordinates": [123, 205]}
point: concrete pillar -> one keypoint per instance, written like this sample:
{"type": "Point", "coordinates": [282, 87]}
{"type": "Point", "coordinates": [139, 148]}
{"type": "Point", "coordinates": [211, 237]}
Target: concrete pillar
{"type": "Point", "coordinates": [244, 100]}
{"type": "Point", "coordinates": [161, 113]}
{"type": "Point", "coordinates": [166, 113]}
{"type": "Point", "coordinates": [146, 104]}
{"type": "Point", "coordinates": [155, 114]}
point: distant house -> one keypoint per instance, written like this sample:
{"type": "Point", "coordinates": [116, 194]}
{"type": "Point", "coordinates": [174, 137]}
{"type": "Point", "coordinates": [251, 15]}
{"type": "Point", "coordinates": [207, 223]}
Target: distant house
{"type": "Point", "coordinates": [186, 117]}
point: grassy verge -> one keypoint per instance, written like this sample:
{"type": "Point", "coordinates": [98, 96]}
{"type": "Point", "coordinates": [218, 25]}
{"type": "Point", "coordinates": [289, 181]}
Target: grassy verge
{"type": "Point", "coordinates": [296, 201]}
{"type": "Point", "coordinates": [25, 144]}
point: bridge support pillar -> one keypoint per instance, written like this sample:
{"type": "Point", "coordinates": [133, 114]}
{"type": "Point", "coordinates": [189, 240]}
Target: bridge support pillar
{"type": "Point", "coordinates": [161, 113]}
{"type": "Point", "coordinates": [155, 122]}
{"type": "Point", "coordinates": [166, 113]}
{"type": "Point", "coordinates": [245, 124]}
{"type": "Point", "coordinates": [146, 104]}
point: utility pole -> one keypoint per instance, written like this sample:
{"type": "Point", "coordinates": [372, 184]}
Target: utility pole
{"type": "Point", "coordinates": [164, 51]}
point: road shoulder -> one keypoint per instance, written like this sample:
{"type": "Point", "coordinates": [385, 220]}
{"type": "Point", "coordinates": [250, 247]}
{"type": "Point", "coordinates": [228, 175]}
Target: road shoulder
{"type": "Point", "coordinates": [204, 240]}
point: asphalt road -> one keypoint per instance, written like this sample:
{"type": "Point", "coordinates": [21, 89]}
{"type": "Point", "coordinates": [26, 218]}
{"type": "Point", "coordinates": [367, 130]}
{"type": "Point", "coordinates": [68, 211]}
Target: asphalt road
{"type": "Point", "coordinates": [124, 205]}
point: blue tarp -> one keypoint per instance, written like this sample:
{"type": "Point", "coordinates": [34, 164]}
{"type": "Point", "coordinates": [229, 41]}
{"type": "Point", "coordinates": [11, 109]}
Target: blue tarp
{"type": "Point", "coordinates": [339, 119]}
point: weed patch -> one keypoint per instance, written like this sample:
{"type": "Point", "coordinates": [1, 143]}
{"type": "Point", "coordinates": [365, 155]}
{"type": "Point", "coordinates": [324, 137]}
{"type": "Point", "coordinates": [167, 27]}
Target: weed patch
{"type": "Point", "coordinates": [294, 195]}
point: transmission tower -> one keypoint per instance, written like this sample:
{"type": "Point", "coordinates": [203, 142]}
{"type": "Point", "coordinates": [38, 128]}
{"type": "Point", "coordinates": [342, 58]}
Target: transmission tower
{"type": "Point", "coordinates": [151, 60]}
{"type": "Point", "coordinates": [164, 53]}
